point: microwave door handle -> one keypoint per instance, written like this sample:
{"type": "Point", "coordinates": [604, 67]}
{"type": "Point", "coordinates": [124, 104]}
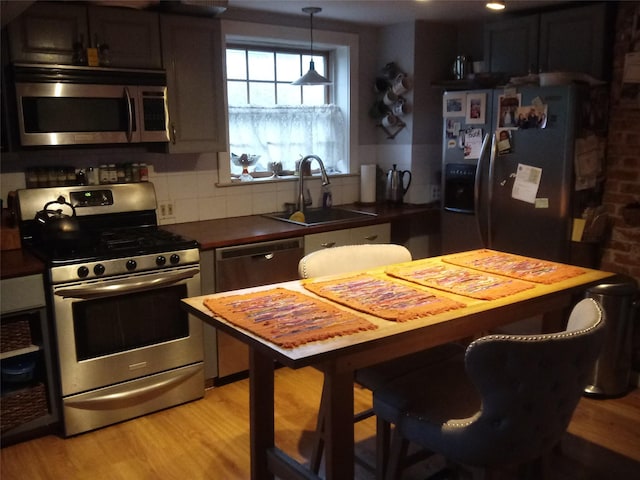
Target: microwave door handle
{"type": "Point", "coordinates": [173, 133]}
{"type": "Point", "coordinates": [127, 97]}
{"type": "Point", "coordinates": [126, 286]}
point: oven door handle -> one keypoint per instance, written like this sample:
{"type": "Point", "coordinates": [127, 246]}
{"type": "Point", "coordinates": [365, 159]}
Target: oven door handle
{"type": "Point", "coordinates": [130, 398]}
{"type": "Point", "coordinates": [126, 286]}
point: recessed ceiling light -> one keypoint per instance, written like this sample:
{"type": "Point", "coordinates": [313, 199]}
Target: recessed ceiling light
{"type": "Point", "coordinates": [496, 5]}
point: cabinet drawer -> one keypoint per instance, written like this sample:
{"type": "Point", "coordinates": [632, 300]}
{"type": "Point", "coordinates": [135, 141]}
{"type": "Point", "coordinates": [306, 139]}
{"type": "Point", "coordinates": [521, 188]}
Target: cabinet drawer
{"type": "Point", "coordinates": [370, 234]}
{"type": "Point", "coordinates": [380, 233]}
{"type": "Point", "coordinates": [319, 241]}
{"type": "Point", "coordinates": [22, 293]}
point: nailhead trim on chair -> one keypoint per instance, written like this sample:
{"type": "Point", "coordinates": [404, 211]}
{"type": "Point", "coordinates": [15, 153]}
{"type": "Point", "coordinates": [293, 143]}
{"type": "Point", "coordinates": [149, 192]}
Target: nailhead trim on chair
{"type": "Point", "coordinates": [509, 423]}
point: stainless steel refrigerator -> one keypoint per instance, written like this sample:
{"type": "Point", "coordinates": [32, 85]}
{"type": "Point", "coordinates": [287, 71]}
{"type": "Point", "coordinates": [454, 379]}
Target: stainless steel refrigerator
{"type": "Point", "coordinates": [508, 180]}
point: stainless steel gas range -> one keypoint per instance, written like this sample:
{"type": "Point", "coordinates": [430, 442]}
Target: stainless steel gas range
{"type": "Point", "coordinates": [114, 279]}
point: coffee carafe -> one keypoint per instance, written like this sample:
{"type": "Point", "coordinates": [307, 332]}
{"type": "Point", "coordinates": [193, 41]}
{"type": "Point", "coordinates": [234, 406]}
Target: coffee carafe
{"type": "Point", "coordinates": [395, 184]}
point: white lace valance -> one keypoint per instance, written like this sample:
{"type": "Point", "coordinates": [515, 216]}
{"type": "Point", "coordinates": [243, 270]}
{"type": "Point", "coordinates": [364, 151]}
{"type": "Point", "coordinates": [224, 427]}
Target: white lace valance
{"type": "Point", "coordinates": [285, 133]}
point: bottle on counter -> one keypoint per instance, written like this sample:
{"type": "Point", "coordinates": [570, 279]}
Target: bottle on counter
{"type": "Point", "coordinates": [61, 178]}
{"type": "Point", "coordinates": [327, 199]}
{"type": "Point", "coordinates": [93, 175]}
{"type": "Point", "coordinates": [120, 176]}
{"type": "Point", "coordinates": [113, 173]}
{"type": "Point", "coordinates": [31, 177]}
{"type": "Point", "coordinates": [144, 172]}
{"type": "Point", "coordinates": [135, 172]}
{"type": "Point", "coordinates": [104, 174]}
{"type": "Point", "coordinates": [81, 177]}
{"type": "Point", "coordinates": [72, 177]}
{"type": "Point", "coordinates": [79, 56]}
{"type": "Point", "coordinates": [43, 177]}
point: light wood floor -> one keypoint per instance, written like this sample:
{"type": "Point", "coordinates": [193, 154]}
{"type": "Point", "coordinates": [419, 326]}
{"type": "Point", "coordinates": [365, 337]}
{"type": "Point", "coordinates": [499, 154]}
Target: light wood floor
{"type": "Point", "coordinates": [209, 438]}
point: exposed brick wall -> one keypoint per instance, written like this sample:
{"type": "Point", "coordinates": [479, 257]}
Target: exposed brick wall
{"type": "Point", "coordinates": [622, 251]}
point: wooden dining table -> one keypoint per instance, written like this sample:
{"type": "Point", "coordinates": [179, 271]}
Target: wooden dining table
{"type": "Point", "coordinates": [339, 357]}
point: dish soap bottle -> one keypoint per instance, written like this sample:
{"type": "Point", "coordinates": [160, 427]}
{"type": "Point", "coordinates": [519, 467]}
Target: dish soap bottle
{"type": "Point", "coordinates": [327, 201]}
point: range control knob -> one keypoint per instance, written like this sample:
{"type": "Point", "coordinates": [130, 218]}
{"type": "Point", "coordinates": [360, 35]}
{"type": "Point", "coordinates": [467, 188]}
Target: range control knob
{"type": "Point", "coordinates": [160, 260]}
{"type": "Point", "coordinates": [82, 271]}
{"type": "Point", "coordinates": [131, 265]}
{"type": "Point", "coordinates": [98, 269]}
{"type": "Point", "coordinates": [174, 259]}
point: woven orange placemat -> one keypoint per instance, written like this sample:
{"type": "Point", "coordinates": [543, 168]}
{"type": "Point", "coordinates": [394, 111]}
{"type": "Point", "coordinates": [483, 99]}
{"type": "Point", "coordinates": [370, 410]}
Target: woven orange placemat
{"type": "Point", "coordinates": [459, 280]}
{"type": "Point", "coordinates": [382, 296]}
{"type": "Point", "coordinates": [516, 266]}
{"type": "Point", "coordinates": [287, 318]}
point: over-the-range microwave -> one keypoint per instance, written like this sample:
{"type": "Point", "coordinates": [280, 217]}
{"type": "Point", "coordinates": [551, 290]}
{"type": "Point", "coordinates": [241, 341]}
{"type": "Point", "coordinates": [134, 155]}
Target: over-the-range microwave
{"type": "Point", "coordinates": [73, 105]}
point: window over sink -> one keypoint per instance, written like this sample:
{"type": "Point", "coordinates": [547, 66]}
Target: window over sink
{"type": "Point", "coordinates": [280, 122]}
{"type": "Point", "coordinates": [275, 120]}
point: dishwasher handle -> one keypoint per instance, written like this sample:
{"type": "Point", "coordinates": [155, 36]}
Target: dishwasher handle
{"type": "Point", "coordinates": [256, 264]}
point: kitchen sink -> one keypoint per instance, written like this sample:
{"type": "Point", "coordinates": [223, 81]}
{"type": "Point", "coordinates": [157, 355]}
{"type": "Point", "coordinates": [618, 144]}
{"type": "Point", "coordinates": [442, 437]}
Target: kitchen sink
{"type": "Point", "coordinates": [322, 216]}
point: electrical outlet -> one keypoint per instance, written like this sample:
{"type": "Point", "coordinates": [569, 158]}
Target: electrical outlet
{"type": "Point", "coordinates": [435, 192]}
{"type": "Point", "coordinates": [165, 210]}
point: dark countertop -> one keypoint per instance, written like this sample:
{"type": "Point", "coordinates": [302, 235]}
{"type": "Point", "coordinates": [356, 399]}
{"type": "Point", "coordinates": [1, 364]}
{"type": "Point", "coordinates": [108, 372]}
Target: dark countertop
{"type": "Point", "coordinates": [19, 263]}
{"type": "Point", "coordinates": [227, 232]}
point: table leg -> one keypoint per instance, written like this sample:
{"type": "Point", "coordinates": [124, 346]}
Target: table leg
{"type": "Point", "coordinates": [339, 449]}
{"type": "Point", "coordinates": [261, 423]}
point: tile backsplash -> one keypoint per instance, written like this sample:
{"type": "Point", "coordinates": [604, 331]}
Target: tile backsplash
{"type": "Point", "coordinates": [186, 184]}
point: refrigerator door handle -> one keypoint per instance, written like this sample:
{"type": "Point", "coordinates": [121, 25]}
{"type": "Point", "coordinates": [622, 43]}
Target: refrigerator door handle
{"type": "Point", "coordinates": [492, 165]}
{"type": "Point", "coordinates": [477, 187]}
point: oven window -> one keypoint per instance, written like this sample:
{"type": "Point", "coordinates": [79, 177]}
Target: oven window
{"type": "Point", "coordinates": [120, 323]}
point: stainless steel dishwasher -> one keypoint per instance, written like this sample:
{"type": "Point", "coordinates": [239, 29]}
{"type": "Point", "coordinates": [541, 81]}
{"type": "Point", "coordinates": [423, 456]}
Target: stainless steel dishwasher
{"type": "Point", "coordinates": [246, 266]}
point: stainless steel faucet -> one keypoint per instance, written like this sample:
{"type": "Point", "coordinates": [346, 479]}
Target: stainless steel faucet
{"type": "Point", "coordinates": [323, 173]}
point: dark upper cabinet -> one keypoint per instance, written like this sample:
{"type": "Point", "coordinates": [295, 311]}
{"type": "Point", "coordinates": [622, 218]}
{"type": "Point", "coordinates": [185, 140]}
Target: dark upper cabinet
{"type": "Point", "coordinates": [576, 40]}
{"type": "Point", "coordinates": [46, 32]}
{"type": "Point", "coordinates": [192, 57]}
{"type": "Point", "coordinates": [511, 46]}
{"type": "Point", "coordinates": [568, 40]}
{"type": "Point", "coordinates": [133, 36]}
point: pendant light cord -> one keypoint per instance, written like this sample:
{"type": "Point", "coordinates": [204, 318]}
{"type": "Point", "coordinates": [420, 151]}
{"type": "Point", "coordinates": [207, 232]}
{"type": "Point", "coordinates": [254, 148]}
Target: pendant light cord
{"type": "Point", "coordinates": [311, 77]}
{"type": "Point", "coordinates": [311, 32]}
{"type": "Point", "coordinates": [311, 11]}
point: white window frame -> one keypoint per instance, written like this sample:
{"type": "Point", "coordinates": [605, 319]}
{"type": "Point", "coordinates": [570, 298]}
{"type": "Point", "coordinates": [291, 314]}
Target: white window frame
{"type": "Point", "coordinates": [343, 49]}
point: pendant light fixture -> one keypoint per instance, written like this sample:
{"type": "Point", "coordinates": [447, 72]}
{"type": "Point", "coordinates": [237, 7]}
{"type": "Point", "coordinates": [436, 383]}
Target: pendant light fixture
{"type": "Point", "coordinates": [311, 77]}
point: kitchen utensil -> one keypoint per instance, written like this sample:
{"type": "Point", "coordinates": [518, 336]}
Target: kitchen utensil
{"type": "Point", "coordinates": [389, 120]}
{"type": "Point", "coordinates": [245, 161]}
{"type": "Point", "coordinates": [401, 84]}
{"type": "Point", "coordinates": [395, 184]}
{"type": "Point", "coordinates": [18, 369]}
{"type": "Point", "coordinates": [58, 226]}
{"type": "Point", "coordinates": [461, 67]}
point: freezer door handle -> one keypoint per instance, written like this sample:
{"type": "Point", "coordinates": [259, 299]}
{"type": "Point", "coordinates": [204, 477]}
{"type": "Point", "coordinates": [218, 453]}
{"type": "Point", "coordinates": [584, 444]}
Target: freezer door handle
{"type": "Point", "coordinates": [477, 188]}
{"type": "Point", "coordinates": [490, 183]}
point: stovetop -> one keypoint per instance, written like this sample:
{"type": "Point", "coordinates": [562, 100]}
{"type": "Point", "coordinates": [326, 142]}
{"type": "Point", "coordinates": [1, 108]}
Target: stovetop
{"type": "Point", "coordinates": [110, 244]}
{"type": "Point", "coordinates": [115, 221]}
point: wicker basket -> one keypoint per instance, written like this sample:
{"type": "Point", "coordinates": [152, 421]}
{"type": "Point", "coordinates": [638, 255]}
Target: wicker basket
{"type": "Point", "coordinates": [22, 406]}
{"type": "Point", "coordinates": [16, 334]}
